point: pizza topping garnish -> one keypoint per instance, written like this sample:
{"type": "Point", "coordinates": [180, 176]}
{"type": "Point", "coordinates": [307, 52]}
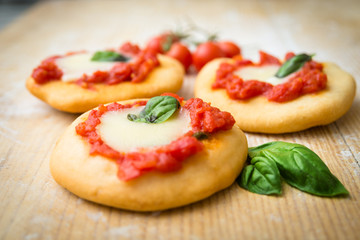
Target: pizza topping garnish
{"type": "Point", "coordinates": [138, 146]}
{"type": "Point", "coordinates": [207, 119]}
{"type": "Point", "coordinates": [109, 56]}
{"type": "Point", "coordinates": [78, 64]}
{"type": "Point", "coordinates": [244, 79]}
{"type": "Point", "coordinates": [47, 71]}
{"type": "Point", "coordinates": [128, 63]}
{"type": "Point", "coordinates": [125, 136]}
{"type": "Point", "coordinates": [293, 64]}
{"type": "Point", "coordinates": [158, 109]}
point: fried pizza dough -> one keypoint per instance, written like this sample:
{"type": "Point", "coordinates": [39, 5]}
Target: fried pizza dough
{"type": "Point", "coordinates": [260, 115]}
{"type": "Point", "coordinates": [70, 97]}
{"type": "Point", "coordinates": [94, 177]}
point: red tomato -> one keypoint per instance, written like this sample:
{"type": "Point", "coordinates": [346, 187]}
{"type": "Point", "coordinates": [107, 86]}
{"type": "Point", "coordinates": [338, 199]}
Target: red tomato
{"type": "Point", "coordinates": [155, 44]}
{"type": "Point", "coordinates": [230, 49]}
{"type": "Point", "coordinates": [206, 52]}
{"type": "Point", "coordinates": [158, 43]}
{"type": "Point", "coordinates": [180, 53]}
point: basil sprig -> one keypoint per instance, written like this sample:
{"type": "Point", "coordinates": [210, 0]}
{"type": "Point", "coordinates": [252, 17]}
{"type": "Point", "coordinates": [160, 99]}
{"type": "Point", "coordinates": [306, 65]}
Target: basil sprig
{"type": "Point", "coordinates": [298, 166]}
{"type": "Point", "coordinates": [293, 64]}
{"type": "Point", "coordinates": [108, 56]}
{"type": "Point", "coordinates": [158, 109]}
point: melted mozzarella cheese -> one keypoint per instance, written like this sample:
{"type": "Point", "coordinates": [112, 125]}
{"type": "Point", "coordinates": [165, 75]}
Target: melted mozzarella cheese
{"type": "Point", "coordinates": [74, 66]}
{"type": "Point", "coordinates": [263, 73]}
{"type": "Point", "coordinates": [124, 135]}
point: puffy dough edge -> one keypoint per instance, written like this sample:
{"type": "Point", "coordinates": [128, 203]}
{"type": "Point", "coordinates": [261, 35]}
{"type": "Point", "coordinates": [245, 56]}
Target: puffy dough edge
{"type": "Point", "coordinates": [260, 115]}
{"type": "Point", "coordinates": [95, 177]}
{"type": "Point", "coordinates": [70, 97]}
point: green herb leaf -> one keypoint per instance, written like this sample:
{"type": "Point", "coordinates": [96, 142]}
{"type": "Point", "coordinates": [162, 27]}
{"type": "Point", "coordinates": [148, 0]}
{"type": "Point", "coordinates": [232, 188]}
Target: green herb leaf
{"type": "Point", "coordinates": [293, 64]}
{"type": "Point", "coordinates": [168, 43]}
{"type": "Point", "coordinates": [201, 135]}
{"type": "Point", "coordinates": [158, 109]}
{"type": "Point", "coordinates": [301, 168]}
{"type": "Point", "coordinates": [108, 56]}
{"type": "Point", "coordinates": [261, 176]}
{"type": "Point", "coordinates": [212, 37]}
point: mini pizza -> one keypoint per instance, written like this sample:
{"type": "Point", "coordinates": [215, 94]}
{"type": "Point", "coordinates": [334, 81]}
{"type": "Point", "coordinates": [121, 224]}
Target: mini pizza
{"type": "Point", "coordinates": [80, 81]}
{"type": "Point", "coordinates": [277, 97]}
{"type": "Point", "coordinates": [148, 155]}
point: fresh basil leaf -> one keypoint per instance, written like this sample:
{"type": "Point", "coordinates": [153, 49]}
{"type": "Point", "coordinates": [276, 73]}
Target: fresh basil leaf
{"type": "Point", "coordinates": [293, 64]}
{"type": "Point", "coordinates": [201, 135]}
{"type": "Point", "coordinates": [261, 176]}
{"type": "Point", "coordinates": [158, 109]}
{"type": "Point", "coordinates": [108, 56]}
{"type": "Point", "coordinates": [301, 168]}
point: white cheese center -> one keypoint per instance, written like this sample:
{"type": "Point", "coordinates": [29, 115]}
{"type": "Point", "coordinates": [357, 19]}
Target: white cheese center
{"type": "Point", "coordinates": [74, 66]}
{"type": "Point", "coordinates": [264, 73]}
{"type": "Point", "coordinates": [124, 135]}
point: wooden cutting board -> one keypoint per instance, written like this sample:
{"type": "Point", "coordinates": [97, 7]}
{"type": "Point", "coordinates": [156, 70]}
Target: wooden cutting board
{"type": "Point", "coordinates": [33, 206]}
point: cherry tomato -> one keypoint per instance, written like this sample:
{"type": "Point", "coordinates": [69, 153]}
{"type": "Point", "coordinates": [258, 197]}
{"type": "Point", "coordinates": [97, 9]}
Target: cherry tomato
{"type": "Point", "coordinates": [230, 49]}
{"type": "Point", "coordinates": [155, 44]}
{"type": "Point", "coordinates": [161, 43]}
{"type": "Point", "coordinates": [181, 53]}
{"type": "Point", "coordinates": [206, 52]}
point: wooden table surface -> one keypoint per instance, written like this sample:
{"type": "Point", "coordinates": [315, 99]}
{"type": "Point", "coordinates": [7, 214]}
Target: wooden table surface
{"type": "Point", "coordinates": [33, 206]}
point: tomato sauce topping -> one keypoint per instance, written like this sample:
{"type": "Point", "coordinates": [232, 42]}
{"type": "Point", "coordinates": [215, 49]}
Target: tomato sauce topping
{"type": "Point", "coordinates": [163, 158]}
{"type": "Point", "coordinates": [309, 79]}
{"type": "Point", "coordinates": [208, 119]}
{"type": "Point", "coordinates": [47, 71]}
{"type": "Point", "coordinates": [135, 71]}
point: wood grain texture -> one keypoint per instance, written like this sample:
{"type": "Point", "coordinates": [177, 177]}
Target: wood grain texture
{"type": "Point", "coordinates": [33, 206]}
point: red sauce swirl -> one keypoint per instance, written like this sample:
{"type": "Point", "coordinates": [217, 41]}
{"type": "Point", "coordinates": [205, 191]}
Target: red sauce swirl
{"type": "Point", "coordinates": [309, 79]}
{"type": "Point", "coordinates": [164, 158]}
{"type": "Point", "coordinates": [135, 71]}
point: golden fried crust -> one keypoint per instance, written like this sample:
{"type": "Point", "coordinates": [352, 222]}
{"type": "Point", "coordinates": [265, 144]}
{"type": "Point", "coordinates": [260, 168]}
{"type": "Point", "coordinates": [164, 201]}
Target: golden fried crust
{"type": "Point", "coordinates": [95, 177]}
{"type": "Point", "coordinates": [260, 115]}
{"type": "Point", "coordinates": [70, 97]}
